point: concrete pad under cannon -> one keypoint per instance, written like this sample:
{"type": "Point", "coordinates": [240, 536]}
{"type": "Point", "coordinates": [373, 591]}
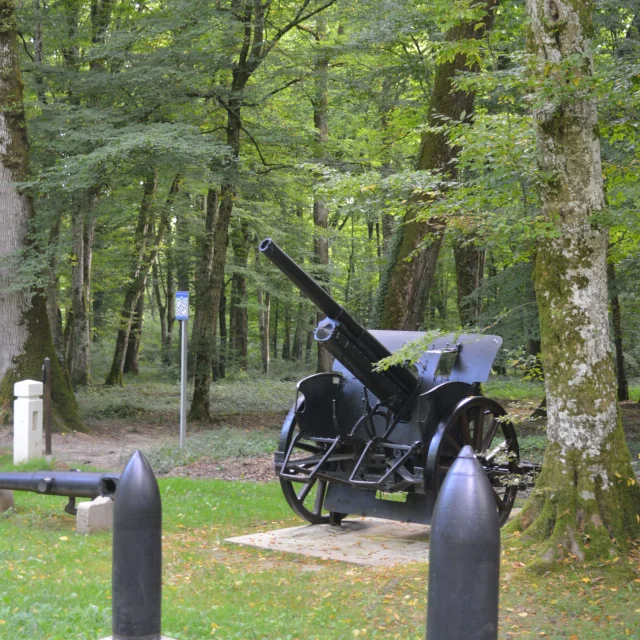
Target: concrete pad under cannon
{"type": "Point", "coordinates": [363, 541]}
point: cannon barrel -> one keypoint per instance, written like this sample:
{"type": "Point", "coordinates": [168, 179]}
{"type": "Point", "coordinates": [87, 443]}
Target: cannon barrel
{"type": "Point", "coordinates": [346, 339]}
{"type": "Point", "coordinates": [73, 484]}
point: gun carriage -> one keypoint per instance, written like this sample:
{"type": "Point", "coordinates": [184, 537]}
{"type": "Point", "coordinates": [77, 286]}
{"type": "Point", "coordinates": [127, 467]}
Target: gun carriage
{"type": "Point", "coordinates": [379, 443]}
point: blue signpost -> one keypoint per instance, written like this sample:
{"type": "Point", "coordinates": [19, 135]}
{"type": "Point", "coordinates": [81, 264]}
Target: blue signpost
{"type": "Point", "coordinates": [182, 314]}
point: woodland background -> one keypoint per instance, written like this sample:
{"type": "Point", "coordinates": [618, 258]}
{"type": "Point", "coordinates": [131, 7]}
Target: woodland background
{"type": "Point", "coordinates": [168, 138]}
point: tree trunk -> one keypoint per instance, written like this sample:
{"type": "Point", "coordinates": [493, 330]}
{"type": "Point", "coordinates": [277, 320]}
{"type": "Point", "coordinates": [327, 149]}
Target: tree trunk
{"type": "Point", "coordinates": [405, 284]}
{"type": "Point", "coordinates": [616, 321]}
{"type": "Point", "coordinates": [264, 313]}
{"type": "Point", "coordinates": [83, 234]}
{"type": "Point", "coordinates": [53, 308]}
{"type": "Point", "coordinates": [205, 339]}
{"type": "Point", "coordinates": [133, 346]}
{"type": "Point", "coordinates": [274, 349]}
{"type": "Point", "coordinates": [286, 339]}
{"type": "Point", "coordinates": [182, 253]}
{"type": "Point", "coordinates": [469, 261]}
{"type": "Point", "coordinates": [164, 291]}
{"type": "Point", "coordinates": [300, 333]}
{"type": "Point", "coordinates": [25, 339]}
{"type": "Point", "coordinates": [309, 346]}
{"type": "Point", "coordinates": [224, 335]}
{"type": "Point", "coordinates": [320, 206]}
{"type": "Point", "coordinates": [264, 300]}
{"type": "Point", "coordinates": [203, 333]}
{"type": "Point", "coordinates": [586, 499]}
{"type": "Point", "coordinates": [238, 319]}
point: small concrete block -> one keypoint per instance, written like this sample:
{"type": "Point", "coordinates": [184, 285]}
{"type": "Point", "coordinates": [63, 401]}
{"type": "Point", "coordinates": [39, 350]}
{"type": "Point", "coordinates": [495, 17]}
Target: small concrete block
{"type": "Point", "coordinates": [96, 515]}
{"type": "Point", "coordinates": [6, 500]}
{"type": "Point", "coordinates": [28, 389]}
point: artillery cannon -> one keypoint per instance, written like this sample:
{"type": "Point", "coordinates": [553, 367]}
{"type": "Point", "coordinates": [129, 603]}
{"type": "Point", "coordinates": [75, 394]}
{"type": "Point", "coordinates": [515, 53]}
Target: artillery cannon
{"type": "Point", "coordinates": [72, 484]}
{"type": "Point", "coordinates": [379, 443]}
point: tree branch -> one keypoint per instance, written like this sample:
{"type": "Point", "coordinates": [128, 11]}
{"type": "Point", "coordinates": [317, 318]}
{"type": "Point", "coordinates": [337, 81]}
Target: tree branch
{"type": "Point", "coordinates": [24, 45]}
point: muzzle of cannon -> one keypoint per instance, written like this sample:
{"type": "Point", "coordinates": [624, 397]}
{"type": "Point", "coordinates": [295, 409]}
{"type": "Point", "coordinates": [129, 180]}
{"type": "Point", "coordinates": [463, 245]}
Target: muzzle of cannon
{"type": "Point", "coordinates": [380, 443]}
{"type": "Point", "coordinates": [72, 484]}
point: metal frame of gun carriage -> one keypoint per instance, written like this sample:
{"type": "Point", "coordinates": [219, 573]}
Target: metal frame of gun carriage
{"type": "Point", "coordinates": [379, 443]}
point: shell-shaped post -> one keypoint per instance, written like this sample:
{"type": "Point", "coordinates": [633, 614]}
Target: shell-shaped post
{"type": "Point", "coordinates": [137, 554]}
{"type": "Point", "coordinates": [464, 556]}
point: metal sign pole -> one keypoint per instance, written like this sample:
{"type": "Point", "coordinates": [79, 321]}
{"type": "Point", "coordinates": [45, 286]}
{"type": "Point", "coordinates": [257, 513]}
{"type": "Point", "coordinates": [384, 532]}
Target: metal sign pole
{"type": "Point", "coordinates": [182, 314]}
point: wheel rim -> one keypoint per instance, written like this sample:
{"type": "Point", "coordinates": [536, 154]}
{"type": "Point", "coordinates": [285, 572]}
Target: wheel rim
{"type": "Point", "coordinates": [305, 499]}
{"type": "Point", "coordinates": [478, 422]}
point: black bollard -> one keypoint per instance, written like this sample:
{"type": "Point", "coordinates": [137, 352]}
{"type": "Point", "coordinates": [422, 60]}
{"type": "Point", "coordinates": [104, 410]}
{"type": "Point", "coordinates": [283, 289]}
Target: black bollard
{"type": "Point", "coordinates": [137, 554]}
{"type": "Point", "coordinates": [464, 556]}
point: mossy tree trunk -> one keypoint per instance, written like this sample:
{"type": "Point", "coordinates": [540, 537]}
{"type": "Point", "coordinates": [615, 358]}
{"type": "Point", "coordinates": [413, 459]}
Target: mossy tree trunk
{"type": "Point", "coordinates": [586, 502]}
{"type": "Point", "coordinates": [25, 338]}
{"type": "Point", "coordinates": [405, 284]}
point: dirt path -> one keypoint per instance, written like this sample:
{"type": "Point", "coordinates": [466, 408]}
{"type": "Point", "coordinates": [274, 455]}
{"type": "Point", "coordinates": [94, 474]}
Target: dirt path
{"type": "Point", "coordinates": [107, 447]}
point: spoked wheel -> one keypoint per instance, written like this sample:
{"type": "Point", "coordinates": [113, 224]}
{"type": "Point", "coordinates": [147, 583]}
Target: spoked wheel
{"type": "Point", "coordinates": [479, 422]}
{"type": "Point", "coordinates": [305, 499]}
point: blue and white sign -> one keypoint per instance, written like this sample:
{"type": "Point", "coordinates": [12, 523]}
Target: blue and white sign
{"type": "Point", "coordinates": [182, 305]}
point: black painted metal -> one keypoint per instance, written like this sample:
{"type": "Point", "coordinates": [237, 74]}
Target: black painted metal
{"type": "Point", "coordinates": [464, 556]}
{"type": "Point", "coordinates": [137, 554]}
{"type": "Point", "coordinates": [380, 443]}
{"type": "Point", "coordinates": [77, 484]}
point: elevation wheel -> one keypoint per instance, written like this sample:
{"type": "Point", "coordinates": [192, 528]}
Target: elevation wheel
{"type": "Point", "coordinates": [305, 499]}
{"type": "Point", "coordinates": [479, 422]}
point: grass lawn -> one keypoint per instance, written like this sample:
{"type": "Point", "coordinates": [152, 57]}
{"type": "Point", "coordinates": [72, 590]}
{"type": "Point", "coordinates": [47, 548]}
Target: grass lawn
{"type": "Point", "coordinates": [56, 584]}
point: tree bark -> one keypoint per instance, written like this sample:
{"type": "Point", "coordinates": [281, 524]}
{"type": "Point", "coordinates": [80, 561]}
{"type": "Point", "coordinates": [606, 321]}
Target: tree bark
{"type": "Point", "coordinates": [469, 261]}
{"type": "Point", "coordinates": [131, 364]}
{"type": "Point", "coordinates": [616, 321]}
{"type": "Point", "coordinates": [274, 348]}
{"type": "Point", "coordinates": [286, 339]}
{"type": "Point", "coordinates": [239, 319]}
{"type": "Point", "coordinates": [25, 339]}
{"type": "Point", "coordinates": [586, 499]}
{"type": "Point", "coordinates": [405, 284]}
{"type": "Point", "coordinates": [203, 333]}
{"type": "Point", "coordinates": [264, 301]}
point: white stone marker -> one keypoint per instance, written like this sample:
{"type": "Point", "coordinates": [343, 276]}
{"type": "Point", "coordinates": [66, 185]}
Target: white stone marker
{"type": "Point", "coordinates": [94, 515]}
{"type": "Point", "coordinates": [27, 420]}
